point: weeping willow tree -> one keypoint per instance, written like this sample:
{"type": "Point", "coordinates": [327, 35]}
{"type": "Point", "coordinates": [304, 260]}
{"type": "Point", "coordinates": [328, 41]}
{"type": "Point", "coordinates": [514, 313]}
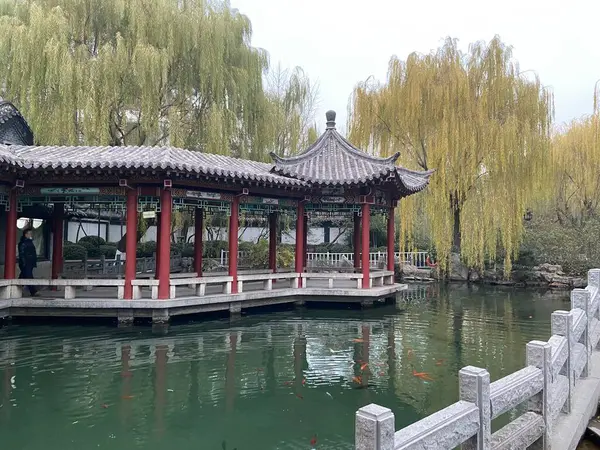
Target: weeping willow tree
{"type": "Point", "coordinates": [292, 101]}
{"type": "Point", "coordinates": [481, 123]}
{"type": "Point", "coordinates": [576, 164]}
{"type": "Point", "coordinates": [136, 72]}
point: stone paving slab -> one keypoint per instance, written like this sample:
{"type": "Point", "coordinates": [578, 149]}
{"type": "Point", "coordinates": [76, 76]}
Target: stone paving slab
{"type": "Point", "coordinates": [570, 428]}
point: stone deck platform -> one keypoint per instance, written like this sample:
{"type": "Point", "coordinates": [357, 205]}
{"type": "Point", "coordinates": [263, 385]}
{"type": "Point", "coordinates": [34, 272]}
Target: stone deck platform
{"type": "Point", "coordinates": [100, 301]}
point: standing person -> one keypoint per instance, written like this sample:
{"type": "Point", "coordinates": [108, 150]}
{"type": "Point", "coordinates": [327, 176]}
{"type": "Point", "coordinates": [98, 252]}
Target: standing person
{"type": "Point", "coordinates": [27, 258]}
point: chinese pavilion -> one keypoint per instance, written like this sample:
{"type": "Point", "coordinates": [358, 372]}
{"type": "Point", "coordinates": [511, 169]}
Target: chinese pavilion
{"type": "Point", "coordinates": [332, 177]}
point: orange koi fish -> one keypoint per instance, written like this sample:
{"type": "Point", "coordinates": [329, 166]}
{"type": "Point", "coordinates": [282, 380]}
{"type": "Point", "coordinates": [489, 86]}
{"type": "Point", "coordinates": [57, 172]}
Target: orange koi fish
{"type": "Point", "coordinates": [127, 397]}
{"type": "Point", "coordinates": [300, 396]}
{"type": "Point", "coordinates": [357, 380]}
{"type": "Point", "coordinates": [364, 366]}
{"type": "Point", "coordinates": [358, 340]}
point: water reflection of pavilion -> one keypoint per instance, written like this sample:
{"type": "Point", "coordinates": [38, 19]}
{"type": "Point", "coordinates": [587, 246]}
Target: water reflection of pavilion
{"type": "Point", "coordinates": [222, 374]}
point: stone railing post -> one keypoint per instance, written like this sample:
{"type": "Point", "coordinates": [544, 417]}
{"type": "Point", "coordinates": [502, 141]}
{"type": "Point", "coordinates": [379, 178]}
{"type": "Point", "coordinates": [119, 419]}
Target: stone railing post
{"type": "Point", "coordinates": [474, 387]}
{"type": "Point", "coordinates": [539, 354]}
{"type": "Point", "coordinates": [594, 278]}
{"type": "Point", "coordinates": [581, 298]}
{"type": "Point", "coordinates": [562, 325]}
{"type": "Point", "coordinates": [374, 428]}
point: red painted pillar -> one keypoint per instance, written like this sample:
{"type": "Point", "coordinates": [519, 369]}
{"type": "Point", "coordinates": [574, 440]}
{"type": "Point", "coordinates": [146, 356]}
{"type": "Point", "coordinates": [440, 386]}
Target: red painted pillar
{"type": "Point", "coordinates": [391, 238]}
{"type": "Point", "coordinates": [273, 242]}
{"type": "Point", "coordinates": [300, 241]}
{"type": "Point", "coordinates": [57, 239]}
{"type": "Point", "coordinates": [164, 270]}
{"type": "Point", "coordinates": [199, 227]}
{"type": "Point", "coordinates": [356, 241]}
{"type": "Point", "coordinates": [233, 242]}
{"type": "Point", "coordinates": [10, 251]}
{"type": "Point", "coordinates": [157, 252]}
{"type": "Point", "coordinates": [366, 226]}
{"type": "Point", "coordinates": [130, 241]}
{"type": "Point", "coordinates": [305, 243]}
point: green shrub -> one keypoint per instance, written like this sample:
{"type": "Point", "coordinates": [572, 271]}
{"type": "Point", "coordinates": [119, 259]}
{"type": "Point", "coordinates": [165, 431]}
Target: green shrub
{"type": "Point", "coordinates": [93, 240]}
{"type": "Point", "coordinates": [146, 249]}
{"type": "Point", "coordinates": [573, 247]}
{"type": "Point", "coordinates": [92, 250]}
{"type": "Point", "coordinates": [108, 250]}
{"type": "Point", "coordinates": [184, 249]}
{"type": "Point", "coordinates": [74, 251]}
{"type": "Point", "coordinates": [212, 249]}
{"type": "Point", "coordinates": [245, 246]}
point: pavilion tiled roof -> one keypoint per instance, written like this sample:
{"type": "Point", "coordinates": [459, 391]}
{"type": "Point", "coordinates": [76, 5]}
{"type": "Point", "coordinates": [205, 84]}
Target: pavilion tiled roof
{"type": "Point", "coordinates": [13, 127]}
{"type": "Point", "coordinates": [149, 158]}
{"type": "Point", "coordinates": [333, 161]}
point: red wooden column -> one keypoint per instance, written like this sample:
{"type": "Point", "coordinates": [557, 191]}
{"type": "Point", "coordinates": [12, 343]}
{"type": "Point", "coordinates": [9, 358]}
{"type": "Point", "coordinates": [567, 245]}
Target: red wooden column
{"type": "Point", "coordinates": [391, 237]}
{"type": "Point", "coordinates": [356, 241]}
{"type": "Point", "coordinates": [305, 243]}
{"type": "Point", "coordinates": [130, 241]}
{"type": "Point", "coordinates": [233, 242]}
{"type": "Point", "coordinates": [366, 226]}
{"type": "Point", "coordinates": [157, 253]}
{"type": "Point", "coordinates": [164, 270]}
{"type": "Point", "coordinates": [300, 241]}
{"type": "Point", "coordinates": [199, 227]}
{"type": "Point", "coordinates": [10, 251]}
{"type": "Point", "coordinates": [57, 239]}
{"type": "Point", "coordinates": [273, 242]}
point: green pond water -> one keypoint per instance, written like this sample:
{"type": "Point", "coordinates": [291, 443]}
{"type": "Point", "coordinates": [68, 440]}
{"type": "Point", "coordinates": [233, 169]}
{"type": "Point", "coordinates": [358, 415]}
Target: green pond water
{"type": "Point", "coordinates": [271, 380]}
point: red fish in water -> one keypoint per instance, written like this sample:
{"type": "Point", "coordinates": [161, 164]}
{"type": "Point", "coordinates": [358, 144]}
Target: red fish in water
{"type": "Point", "coordinates": [300, 396]}
{"type": "Point", "coordinates": [364, 366]}
{"type": "Point", "coordinates": [313, 440]}
{"type": "Point", "coordinates": [105, 406]}
{"type": "Point", "coordinates": [358, 340]}
{"type": "Point", "coordinates": [126, 374]}
{"type": "Point", "coordinates": [127, 397]}
{"type": "Point", "coordinates": [422, 375]}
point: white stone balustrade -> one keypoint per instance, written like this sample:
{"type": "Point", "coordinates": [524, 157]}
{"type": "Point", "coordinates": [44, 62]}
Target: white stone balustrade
{"type": "Point", "coordinates": [548, 385]}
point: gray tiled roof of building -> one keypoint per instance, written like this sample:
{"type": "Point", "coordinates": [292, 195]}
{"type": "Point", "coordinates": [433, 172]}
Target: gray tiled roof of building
{"type": "Point", "coordinates": [150, 158]}
{"type": "Point", "coordinates": [330, 161]}
{"type": "Point", "coordinates": [333, 161]}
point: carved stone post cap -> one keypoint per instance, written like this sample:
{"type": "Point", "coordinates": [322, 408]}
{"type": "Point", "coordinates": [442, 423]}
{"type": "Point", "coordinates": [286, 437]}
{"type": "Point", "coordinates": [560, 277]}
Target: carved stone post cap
{"type": "Point", "coordinates": [374, 411]}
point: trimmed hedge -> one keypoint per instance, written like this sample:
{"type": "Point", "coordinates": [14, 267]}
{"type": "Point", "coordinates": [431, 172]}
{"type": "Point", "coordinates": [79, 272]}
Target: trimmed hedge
{"type": "Point", "coordinates": [74, 251]}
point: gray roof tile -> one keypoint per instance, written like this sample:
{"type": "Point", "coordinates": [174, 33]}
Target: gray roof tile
{"type": "Point", "coordinates": [333, 161]}
{"type": "Point", "coordinates": [150, 158]}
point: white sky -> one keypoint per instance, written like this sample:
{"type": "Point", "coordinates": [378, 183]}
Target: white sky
{"type": "Point", "coordinates": [341, 42]}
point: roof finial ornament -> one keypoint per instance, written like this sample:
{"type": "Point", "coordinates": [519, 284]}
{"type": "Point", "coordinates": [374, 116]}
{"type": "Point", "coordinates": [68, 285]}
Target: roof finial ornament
{"type": "Point", "coordinates": [330, 115]}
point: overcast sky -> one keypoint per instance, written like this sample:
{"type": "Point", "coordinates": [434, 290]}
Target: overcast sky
{"type": "Point", "coordinates": [341, 42]}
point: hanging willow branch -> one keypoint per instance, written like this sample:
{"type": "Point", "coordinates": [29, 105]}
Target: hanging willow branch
{"type": "Point", "coordinates": [140, 72]}
{"type": "Point", "coordinates": [481, 124]}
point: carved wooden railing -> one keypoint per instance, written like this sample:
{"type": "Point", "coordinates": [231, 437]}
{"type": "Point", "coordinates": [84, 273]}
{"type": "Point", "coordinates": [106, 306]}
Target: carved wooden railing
{"type": "Point", "coordinates": [547, 386]}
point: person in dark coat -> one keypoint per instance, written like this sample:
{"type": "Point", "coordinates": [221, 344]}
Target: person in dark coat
{"type": "Point", "coordinates": [27, 258]}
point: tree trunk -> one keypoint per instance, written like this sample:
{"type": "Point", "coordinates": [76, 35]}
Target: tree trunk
{"type": "Point", "coordinates": [456, 236]}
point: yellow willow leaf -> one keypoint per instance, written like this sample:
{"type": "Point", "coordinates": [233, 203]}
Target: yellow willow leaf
{"type": "Point", "coordinates": [485, 129]}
